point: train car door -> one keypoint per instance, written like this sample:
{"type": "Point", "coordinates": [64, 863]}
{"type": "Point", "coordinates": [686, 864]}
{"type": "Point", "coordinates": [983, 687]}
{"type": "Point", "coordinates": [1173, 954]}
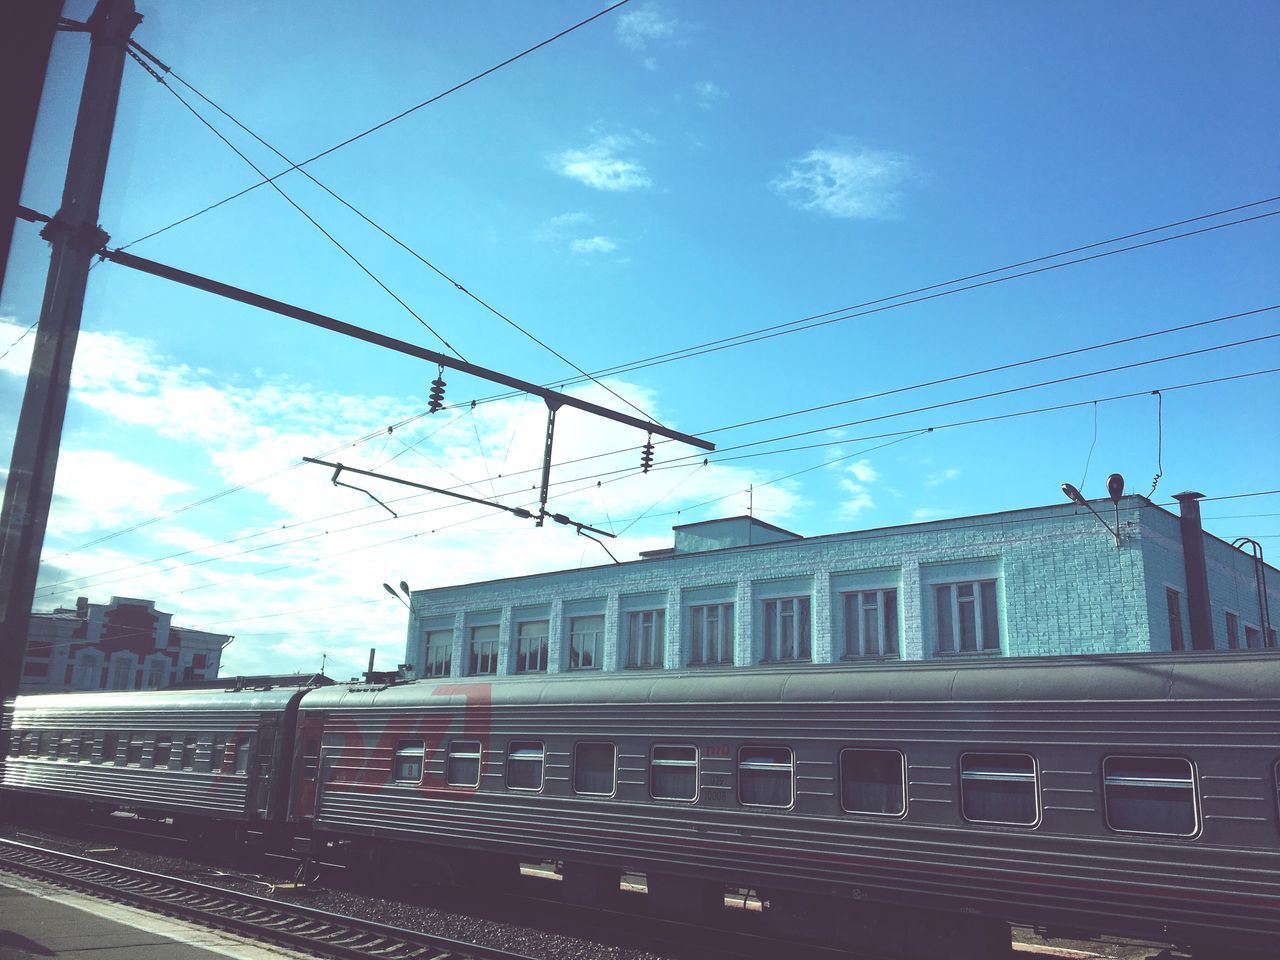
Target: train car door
{"type": "Point", "coordinates": [261, 773]}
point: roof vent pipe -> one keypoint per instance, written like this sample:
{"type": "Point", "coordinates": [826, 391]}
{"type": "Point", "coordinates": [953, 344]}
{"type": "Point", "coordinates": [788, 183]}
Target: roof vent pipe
{"type": "Point", "coordinates": [1197, 573]}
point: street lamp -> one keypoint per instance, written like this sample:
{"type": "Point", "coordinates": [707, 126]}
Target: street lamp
{"type": "Point", "coordinates": [1115, 488]}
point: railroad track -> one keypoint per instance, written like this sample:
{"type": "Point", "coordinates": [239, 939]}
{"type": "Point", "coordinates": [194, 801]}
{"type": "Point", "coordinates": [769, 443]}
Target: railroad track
{"type": "Point", "coordinates": [291, 925]}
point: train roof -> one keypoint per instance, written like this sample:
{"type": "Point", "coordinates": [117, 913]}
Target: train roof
{"type": "Point", "coordinates": [263, 699]}
{"type": "Point", "coordinates": [1238, 675]}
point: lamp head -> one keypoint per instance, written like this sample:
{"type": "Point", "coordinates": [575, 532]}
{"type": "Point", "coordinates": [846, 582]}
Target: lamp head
{"type": "Point", "coordinates": [1115, 487]}
{"type": "Point", "coordinates": [405, 587]}
{"type": "Point", "coordinates": [387, 587]}
{"type": "Point", "coordinates": [1074, 495]}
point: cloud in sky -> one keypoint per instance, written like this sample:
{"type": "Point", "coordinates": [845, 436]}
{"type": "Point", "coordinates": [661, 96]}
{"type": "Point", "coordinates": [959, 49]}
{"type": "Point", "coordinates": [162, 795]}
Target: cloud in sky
{"type": "Point", "coordinates": [708, 93]}
{"type": "Point", "coordinates": [291, 564]}
{"type": "Point", "coordinates": [646, 24]}
{"type": "Point", "coordinates": [847, 182]}
{"type": "Point", "coordinates": [601, 167]}
{"type": "Point", "coordinates": [856, 492]}
{"type": "Point", "coordinates": [940, 477]}
{"type": "Point", "coordinates": [595, 244]}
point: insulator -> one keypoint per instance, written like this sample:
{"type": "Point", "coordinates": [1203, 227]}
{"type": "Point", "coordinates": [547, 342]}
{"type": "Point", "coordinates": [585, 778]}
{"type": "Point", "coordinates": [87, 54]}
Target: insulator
{"type": "Point", "coordinates": [646, 456]}
{"type": "Point", "coordinates": [437, 395]}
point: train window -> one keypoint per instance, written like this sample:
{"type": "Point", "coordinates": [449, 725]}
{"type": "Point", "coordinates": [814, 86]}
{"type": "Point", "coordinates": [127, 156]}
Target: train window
{"type": "Point", "coordinates": [873, 781]}
{"type": "Point", "coordinates": [673, 772]}
{"type": "Point", "coordinates": [189, 753]}
{"type": "Point", "coordinates": [1150, 795]}
{"type": "Point", "coordinates": [162, 752]}
{"type": "Point", "coordinates": [55, 746]}
{"type": "Point", "coordinates": [462, 767]}
{"type": "Point", "coordinates": [766, 776]}
{"type": "Point", "coordinates": [85, 753]}
{"type": "Point", "coordinates": [408, 761]}
{"type": "Point", "coordinates": [242, 754]}
{"type": "Point", "coordinates": [15, 743]}
{"type": "Point", "coordinates": [999, 788]}
{"type": "Point", "coordinates": [524, 764]}
{"type": "Point", "coordinates": [133, 749]}
{"type": "Point", "coordinates": [110, 746]}
{"type": "Point", "coordinates": [595, 767]}
{"type": "Point", "coordinates": [218, 754]}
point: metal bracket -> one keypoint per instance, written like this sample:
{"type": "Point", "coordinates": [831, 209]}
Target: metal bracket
{"type": "Point", "coordinates": [82, 237]}
{"type": "Point", "coordinates": [552, 407]}
{"type": "Point", "coordinates": [338, 483]}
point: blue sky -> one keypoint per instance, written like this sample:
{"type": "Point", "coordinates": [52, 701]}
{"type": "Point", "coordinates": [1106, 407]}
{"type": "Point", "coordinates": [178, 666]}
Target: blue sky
{"type": "Point", "coordinates": [668, 175]}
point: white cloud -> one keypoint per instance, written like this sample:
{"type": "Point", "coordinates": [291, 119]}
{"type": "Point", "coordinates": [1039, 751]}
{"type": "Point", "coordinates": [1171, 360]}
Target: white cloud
{"type": "Point", "coordinates": [929, 513]}
{"type": "Point", "coordinates": [563, 223]}
{"type": "Point", "coordinates": [643, 25]}
{"type": "Point", "coordinates": [708, 93]}
{"type": "Point", "coordinates": [940, 477]}
{"type": "Point", "coordinates": [600, 167]}
{"type": "Point", "coordinates": [848, 183]}
{"type": "Point", "coordinates": [97, 488]}
{"type": "Point", "coordinates": [857, 496]}
{"type": "Point", "coordinates": [593, 245]}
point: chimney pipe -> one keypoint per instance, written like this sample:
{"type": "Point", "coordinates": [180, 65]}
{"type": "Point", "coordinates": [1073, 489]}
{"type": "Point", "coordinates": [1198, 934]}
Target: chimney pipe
{"type": "Point", "coordinates": [1197, 573]}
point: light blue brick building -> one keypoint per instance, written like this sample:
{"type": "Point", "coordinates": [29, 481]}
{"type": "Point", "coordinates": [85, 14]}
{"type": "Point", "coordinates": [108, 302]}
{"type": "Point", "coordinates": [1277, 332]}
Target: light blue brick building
{"type": "Point", "coordinates": [738, 592]}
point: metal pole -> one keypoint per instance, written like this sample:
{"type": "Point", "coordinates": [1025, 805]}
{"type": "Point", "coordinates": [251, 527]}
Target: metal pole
{"type": "Point", "coordinates": [29, 26]}
{"type": "Point", "coordinates": [74, 236]}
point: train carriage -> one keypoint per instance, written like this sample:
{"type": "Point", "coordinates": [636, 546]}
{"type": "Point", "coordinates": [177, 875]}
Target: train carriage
{"type": "Point", "coordinates": [1125, 794]}
{"type": "Point", "coordinates": [212, 755]}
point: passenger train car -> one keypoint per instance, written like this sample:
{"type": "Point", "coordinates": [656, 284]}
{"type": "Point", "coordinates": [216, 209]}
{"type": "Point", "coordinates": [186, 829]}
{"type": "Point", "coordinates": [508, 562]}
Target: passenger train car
{"type": "Point", "coordinates": [910, 809]}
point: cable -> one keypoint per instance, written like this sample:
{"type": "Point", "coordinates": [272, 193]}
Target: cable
{"type": "Point", "coordinates": [293, 203]}
{"type": "Point", "coordinates": [22, 336]}
{"type": "Point", "coordinates": [386, 233]}
{"type": "Point", "coordinates": [1155, 481]}
{"type": "Point", "coordinates": [1089, 459]}
{"type": "Point", "coordinates": [399, 116]}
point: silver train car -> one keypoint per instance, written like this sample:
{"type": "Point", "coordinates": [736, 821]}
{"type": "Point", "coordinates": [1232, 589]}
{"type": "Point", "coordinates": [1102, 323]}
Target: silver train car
{"type": "Point", "coordinates": [907, 809]}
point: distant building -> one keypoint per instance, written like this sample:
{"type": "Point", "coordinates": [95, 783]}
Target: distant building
{"type": "Point", "coordinates": [126, 644]}
{"type": "Point", "coordinates": [739, 592]}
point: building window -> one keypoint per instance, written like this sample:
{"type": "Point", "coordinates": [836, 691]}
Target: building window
{"type": "Point", "coordinates": [673, 772]}
{"type": "Point", "coordinates": [711, 634]}
{"type": "Point", "coordinates": [408, 762]}
{"type": "Point", "coordinates": [1233, 631]}
{"type": "Point", "coordinates": [1174, 602]}
{"type": "Point", "coordinates": [968, 617]}
{"type": "Point", "coordinates": [1150, 795]}
{"type": "Point", "coordinates": [462, 768]}
{"type": "Point", "coordinates": [586, 635]}
{"type": "Point", "coordinates": [765, 776]}
{"type": "Point", "coordinates": [595, 766]}
{"type": "Point", "coordinates": [1253, 638]}
{"type": "Point", "coordinates": [162, 752]}
{"type": "Point", "coordinates": [438, 653]}
{"type": "Point", "coordinates": [484, 651]}
{"type": "Point", "coordinates": [157, 673]}
{"type": "Point", "coordinates": [786, 629]}
{"type": "Point", "coordinates": [873, 781]}
{"type": "Point", "coordinates": [524, 765]}
{"type": "Point", "coordinates": [242, 755]}
{"type": "Point", "coordinates": [122, 666]}
{"type": "Point", "coordinates": [531, 646]}
{"type": "Point", "coordinates": [871, 623]}
{"type": "Point", "coordinates": [645, 630]}
{"type": "Point", "coordinates": [87, 669]}
{"type": "Point", "coordinates": [999, 788]}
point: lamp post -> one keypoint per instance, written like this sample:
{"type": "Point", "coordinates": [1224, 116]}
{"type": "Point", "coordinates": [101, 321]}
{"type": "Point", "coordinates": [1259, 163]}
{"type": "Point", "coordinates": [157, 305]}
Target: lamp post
{"type": "Point", "coordinates": [1115, 488]}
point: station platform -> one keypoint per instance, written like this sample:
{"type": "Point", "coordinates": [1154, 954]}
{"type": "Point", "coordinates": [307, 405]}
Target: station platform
{"type": "Point", "coordinates": [38, 922]}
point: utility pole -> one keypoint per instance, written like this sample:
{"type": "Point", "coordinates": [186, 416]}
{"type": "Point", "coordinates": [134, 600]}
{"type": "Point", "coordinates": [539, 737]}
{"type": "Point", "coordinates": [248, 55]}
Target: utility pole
{"type": "Point", "coordinates": [74, 236]}
{"type": "Point", "coordinates": [27, 39]}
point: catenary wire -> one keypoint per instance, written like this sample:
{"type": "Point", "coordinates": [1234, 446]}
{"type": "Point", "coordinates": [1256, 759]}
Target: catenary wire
{"type": "Point", "coordinates": [168, 71]}
{"type": "Point", "coordinates": [390, 120]}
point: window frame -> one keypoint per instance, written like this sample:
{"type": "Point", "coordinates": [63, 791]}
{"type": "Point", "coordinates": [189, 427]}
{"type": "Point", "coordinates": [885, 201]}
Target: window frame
{"type": "Point", "coordinates": [613, 778]}
{"type": "Point", "coordinates": [1233, 629]}
{"type": "Point", "coordinates": [514, 746]}
{"type": "Point", "coordinates": [524, 657]}
{"type": "Point", "coordinates": [902, 757]}
{"type": "Point", "coordinates": [649, 637]}
{"type": "Point", "coordinates": [765, 766]}
{"type": "Point", "coordinates": [1173, 607]}
{"type": "Point", "coordinates": [1193, 783]}
{"type": "Point", "coordinates": [479, 758]}
{"type": "Point", "coordinates": [437, 653]}
{"type": "Point", "coordinates": [666, 761]}
{"type": "Point", "coordinates": [1034, 779]}
{"type": "Point", "coordinates": [408, 748]}
{"type": "Point", "coordinates": [573, 633]}
{"type": "Point", "coordinates": [853, 608]}
{"type": "Point", "coordinates": [955, 619]}
{"type": "Point", "coordinates": [698, 616]}
{"type": "Point", "coordinates": [780, 615]}
{"type": "Point", "coordinates": [475, 658]}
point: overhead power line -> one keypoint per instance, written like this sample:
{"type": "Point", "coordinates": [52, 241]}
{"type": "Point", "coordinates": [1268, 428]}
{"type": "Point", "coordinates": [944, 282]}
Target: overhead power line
{"type": "Point", "coordinates": [169, 71]}
{"type": "Point", "coordinates": [378, 126]}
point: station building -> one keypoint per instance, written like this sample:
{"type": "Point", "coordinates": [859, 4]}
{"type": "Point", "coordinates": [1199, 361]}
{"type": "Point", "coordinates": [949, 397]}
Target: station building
{"type": "Point", "coordinates": [738, 592]}
{"type": "Point", "coordinates": [126, 644]}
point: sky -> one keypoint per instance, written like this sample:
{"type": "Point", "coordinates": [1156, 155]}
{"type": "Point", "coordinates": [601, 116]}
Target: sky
{"type": "Point", "coordinates": [667, 176]}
